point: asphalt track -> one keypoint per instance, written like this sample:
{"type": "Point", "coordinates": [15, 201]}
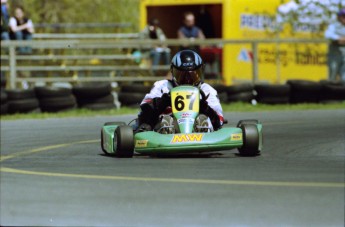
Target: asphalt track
{"type": "Point", "coordinates": [53, 173]}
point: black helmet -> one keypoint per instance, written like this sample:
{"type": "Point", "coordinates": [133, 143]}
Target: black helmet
{"type": "Point", "coordinates": [187, 68]}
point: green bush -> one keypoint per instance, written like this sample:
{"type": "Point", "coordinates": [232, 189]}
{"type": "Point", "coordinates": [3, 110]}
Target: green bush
{"type": "Point", "coordinates": [82, 11]}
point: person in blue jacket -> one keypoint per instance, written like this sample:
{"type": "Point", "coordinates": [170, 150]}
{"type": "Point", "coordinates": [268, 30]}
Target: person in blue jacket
{"type": "Point", "coordinates": [190, 31]}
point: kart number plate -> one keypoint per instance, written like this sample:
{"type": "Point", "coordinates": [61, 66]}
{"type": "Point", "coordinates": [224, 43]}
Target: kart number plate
{"type": "Point", "coordinates": [183, 101]}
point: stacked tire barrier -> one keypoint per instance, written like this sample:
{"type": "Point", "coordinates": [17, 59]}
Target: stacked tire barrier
{"type": "Point", "coordinates": [133, 94]}
{"type": "Point", "coordinates": [240, 93]}
{"type": "Point", "coordinates": [3, 94]}
{"type": "Point", "coordinates": [94, 96]}
{"type": "Point", "coordinates": [332, 92]}
{"type": "Point", "coordinates": [21, 101]}
{"type": "Point", "coordinates": [101, 95]}
{"type": "Point", "coordinates": [222, 92]}
{"type": "Point", "coordinates": [54, 99]}
{"type": "Point", "coordinates": [272, 94]}
{"type": "Point", "coordinates": [303, 91]}
{"type": "Point", "coordinates": [4, 105]}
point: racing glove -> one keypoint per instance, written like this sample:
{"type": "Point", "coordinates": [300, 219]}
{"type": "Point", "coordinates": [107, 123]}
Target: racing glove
{"type": "Point", "coordinates": [208, 111]}
{"type": "Point", "coordinates": [160, 104]}
{"type": "Point", "coordinates": [147, 114]}
{"type": "Point", "coordinates": [150, 111]}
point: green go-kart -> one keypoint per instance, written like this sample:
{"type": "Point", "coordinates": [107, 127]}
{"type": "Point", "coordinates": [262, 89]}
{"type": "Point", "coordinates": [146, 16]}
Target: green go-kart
{"type": "Point", "coordinates": [120, 139]}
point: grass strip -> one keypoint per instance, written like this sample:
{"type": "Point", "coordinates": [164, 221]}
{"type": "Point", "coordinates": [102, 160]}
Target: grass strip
{"type": "Point", "coordinates": [232, 107]}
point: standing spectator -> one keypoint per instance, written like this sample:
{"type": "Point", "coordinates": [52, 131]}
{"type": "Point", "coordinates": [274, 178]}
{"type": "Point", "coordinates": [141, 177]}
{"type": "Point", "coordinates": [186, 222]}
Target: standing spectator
{"type": "Point", "coordinates": [336, 51]}
{"type": "Point", "coordinates": [21, 28]}
{"type": "Point", "coordinates": [5, 17]}
{"type": "Point", "coordinates": [190, 31]}
{"type": "Point", "coordinates": [152, 31]}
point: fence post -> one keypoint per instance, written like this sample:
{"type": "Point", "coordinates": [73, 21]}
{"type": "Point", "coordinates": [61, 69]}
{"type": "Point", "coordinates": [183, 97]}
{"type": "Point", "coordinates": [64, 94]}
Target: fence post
{"type": "Point", "coordinates": [255, 61]}
{"type": "Point", "coordinates": [12, 67]}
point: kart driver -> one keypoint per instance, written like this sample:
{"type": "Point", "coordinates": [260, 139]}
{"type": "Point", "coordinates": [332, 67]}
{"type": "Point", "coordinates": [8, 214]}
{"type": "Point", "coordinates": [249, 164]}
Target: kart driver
{"type": "Point", "coordinates": [187, 69]}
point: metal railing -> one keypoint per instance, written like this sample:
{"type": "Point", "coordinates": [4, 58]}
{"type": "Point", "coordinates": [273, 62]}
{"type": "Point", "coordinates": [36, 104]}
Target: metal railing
{"type": "Point", "coordinates": [82, 25]}
{"type": "Point", "coordinates": [85, 35]}
{"type": "Point", "coordinates": [13, 68]}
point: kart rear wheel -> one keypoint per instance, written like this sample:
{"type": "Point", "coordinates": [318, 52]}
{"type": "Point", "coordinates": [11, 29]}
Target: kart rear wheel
{"type": "Point", "coordinates": [251, 121]}
{"type": "Point", "coordinates": [124, 142]}
{"type": "Point", "coordinates": [250, 140]}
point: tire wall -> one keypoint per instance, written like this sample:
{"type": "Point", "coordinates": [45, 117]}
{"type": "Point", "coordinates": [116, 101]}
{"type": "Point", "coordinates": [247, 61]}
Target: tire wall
{"type": "Point", "coordinates": [98, 96]}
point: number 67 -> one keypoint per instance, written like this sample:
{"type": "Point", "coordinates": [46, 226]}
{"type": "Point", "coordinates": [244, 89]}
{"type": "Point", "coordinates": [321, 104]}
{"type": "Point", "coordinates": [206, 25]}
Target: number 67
{"type": "Point", "coordinates": [180, 101]}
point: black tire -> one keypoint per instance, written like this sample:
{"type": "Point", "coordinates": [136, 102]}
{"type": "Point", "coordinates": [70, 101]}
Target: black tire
{"type": "Point", "coordinates": [104, 151]}
{"type": "Point", "coordinates": [57, 109]}
{"type": "Point", "coordinates": [106, 99]}
{"type": "Point", "coordinates": [57, 104]}
{"type": "Point", "coordinates": [138, 88]}
{"type": "Point", "coordinates": [19, 94]}
{"type": "Point", "coordinates": [58, 101]}
{"type": "Point", "coordinates": [248, 121]}
{"type": "Point", "coordinates": [303, 91]}
{"type": "Point", "coordinates": [92, 90]}
{"type": "Point", "coordinates": [22, 106]}
{"type": "Point", "coordinates": [327, 82]}
{"type": "Point", "coordinates": [240, 88]}
{"type": "Point", "coordinates": [3, 97]}
{"type": "Point", "coordinates": [274, 100]}
{"type": "Point", "coordinates": [52, 92]}
{"type": "Point", "coordinates": [251, 139]}
{"type": "Point", "coordinates": [130, 98]}
{"type": "Point", "coordinates": [269, 90]}
{"type": "Point", "coordinates": [98, 106]}
{"type": "Point", "coordinates": [109, 123]}
{"type": "Point", "coordinates": [331, 92]}
{"type": "Point", "coordinates": [124, 141]}
{"type": "Point", "coordinates": [220, 88]}
{"type": "Point", "coordinates": [3, 80]}
{"type": "Point", "coordinates": [241, 97]}
{"type": "Point", "coordinates": [133, 106]}
{"type": "Point", "coordinates": [223, 97]}
{"type": "Point", "coordinates": [115, 123]}
{"type": "Point", "coordinates": [4, 109]}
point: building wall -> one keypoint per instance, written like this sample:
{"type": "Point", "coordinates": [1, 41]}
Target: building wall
{"type": "Point", "coordinates": [247, 19]}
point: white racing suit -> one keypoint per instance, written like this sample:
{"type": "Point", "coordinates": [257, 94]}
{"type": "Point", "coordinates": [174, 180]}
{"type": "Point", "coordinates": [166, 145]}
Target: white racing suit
{"type": "Point", "coordinates": [164, 86]}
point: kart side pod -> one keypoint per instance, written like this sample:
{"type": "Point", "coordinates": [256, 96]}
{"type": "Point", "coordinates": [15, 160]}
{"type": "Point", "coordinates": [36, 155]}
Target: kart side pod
{"type": "Point", "coordinates": [118, 139]}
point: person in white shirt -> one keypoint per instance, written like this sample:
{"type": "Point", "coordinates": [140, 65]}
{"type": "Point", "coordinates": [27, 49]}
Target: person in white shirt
{"type": "Point", "coordinates": [335, 32]}
{"type": "Point", "coordinates": [21, 28]}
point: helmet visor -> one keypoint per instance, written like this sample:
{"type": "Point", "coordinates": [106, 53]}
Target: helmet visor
{"type": "Point", "coordinates": [187, 77]}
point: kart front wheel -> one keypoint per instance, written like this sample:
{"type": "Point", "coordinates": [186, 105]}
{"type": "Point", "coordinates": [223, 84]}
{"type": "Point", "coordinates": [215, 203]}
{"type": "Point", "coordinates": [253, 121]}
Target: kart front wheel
{"type": "Point", "coordinates": [102, 135]}
{"type": "Point", "coordinates": [102, 141]}
{"type": "Point", "coordinates": [251, 140]}
{"type": "Point", "coordinates": [124, 142]}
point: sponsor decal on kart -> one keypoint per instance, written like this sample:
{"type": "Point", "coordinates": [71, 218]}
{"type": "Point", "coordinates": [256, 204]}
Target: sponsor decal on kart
{"type": "Point", "coordinates": [182, 138]}
{"type": "Point", "coordinates": [185, 121]}
{"type": "Point", "coordinates": [186, 115]}
{"type": "Point", "coordinates": [236, 136]}
{"type": "Point", "coordinates": [141, 143]}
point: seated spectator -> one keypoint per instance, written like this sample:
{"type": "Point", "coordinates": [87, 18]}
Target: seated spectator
{"type": "Point", "coordinates": [5, 16]}
{"type": "Point", "coordinates": [21, 28]}
{"type": "Point", "coordinates": [152, 31]}
{"type": "Point", "coordinates": [190, 31]}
